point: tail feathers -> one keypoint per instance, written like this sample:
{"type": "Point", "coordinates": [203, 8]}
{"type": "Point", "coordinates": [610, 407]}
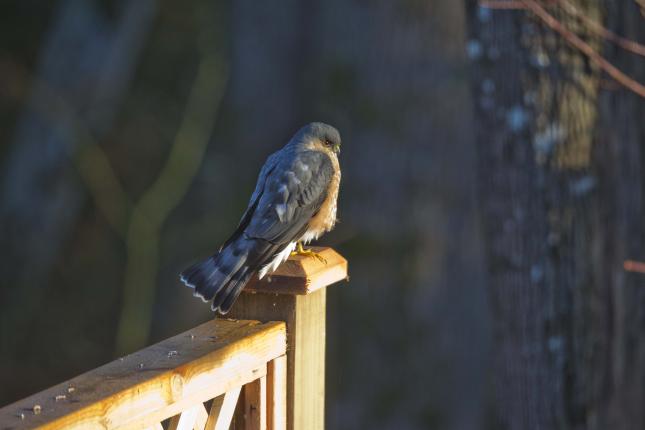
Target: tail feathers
{"type": "Point", "coordinates": [260, 254]}
{"type": "Point", "coordinates": [222, 277]}
{"type": "Point", "coordinates": [225, 298]}
{"type": "Point", "coordinates": [205, 278]}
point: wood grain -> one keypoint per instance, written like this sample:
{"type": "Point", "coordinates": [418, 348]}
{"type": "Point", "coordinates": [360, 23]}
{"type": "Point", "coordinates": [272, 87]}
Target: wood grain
{"type": "Point", "coordinates": [255, 410]}
{"type": "Point", "coordinates": [277, 394]}
{"type": "Point", "coordinates": [297, 295]}
{"type": "Point", "coordinates": [306, 330]}
{"type": "Point", "coordinates": [174, 376]}
{"type": "Point", "coordinates": [158, 382]}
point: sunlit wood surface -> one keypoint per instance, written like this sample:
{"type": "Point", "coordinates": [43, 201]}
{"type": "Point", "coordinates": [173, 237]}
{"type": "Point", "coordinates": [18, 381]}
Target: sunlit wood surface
{"type": "Point", "coordinates": [303, 274]}
{"type": "Point", "coordinates": [169, 380]}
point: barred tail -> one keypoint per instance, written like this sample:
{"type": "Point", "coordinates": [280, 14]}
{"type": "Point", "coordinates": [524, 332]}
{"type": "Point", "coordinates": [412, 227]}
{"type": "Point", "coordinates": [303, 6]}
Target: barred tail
{"type": "Point", "coordinates": [222, 277]}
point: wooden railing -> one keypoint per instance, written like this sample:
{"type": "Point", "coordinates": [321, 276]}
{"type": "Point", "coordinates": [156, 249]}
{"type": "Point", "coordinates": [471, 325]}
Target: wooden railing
{"type": "Point", "coordinates": [263, 371]}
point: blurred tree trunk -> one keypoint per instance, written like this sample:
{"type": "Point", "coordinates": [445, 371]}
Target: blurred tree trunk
{"type": "Point", "coordinates": [86, 63]}
{"type": "Point", "coordinates": [514, 220]}
{"type": "Point", "coordinates": [618, 343]}
{"type": "Point", "coordinates": [561, 192]}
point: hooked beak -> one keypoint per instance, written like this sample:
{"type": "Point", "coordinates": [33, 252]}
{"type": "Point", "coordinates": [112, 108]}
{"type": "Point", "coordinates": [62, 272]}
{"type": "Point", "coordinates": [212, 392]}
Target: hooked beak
{"type": "Point", "coordinates": [337, 148]}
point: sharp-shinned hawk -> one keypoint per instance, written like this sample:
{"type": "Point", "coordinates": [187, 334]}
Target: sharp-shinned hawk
{"type": "Point", "coordinates": [294, 202]}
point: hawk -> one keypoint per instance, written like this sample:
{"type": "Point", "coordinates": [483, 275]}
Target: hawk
{"type": "Point", "coordinates": [294, 202]}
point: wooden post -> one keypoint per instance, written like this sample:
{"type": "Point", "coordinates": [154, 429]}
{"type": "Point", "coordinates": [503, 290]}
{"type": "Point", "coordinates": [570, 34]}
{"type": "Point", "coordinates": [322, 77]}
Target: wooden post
{"type": "Point", "coordinates": [296, 294]}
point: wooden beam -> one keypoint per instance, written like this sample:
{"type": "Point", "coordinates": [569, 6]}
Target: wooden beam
{"type": "Point", "coordinates": [296, 294]}
{"type": "Point", "coordinates": [222, 410]}
{"type": "Point", "coordinates": [305, 318]}
{"type": "Point", "coordinates": [303, 275]}
{"type": "Point", "coordinates": [158, 382]}
{"type": "Point", "coordinates": [277, 394]}
{"type": "Point", "coordinates": [202, 417]}
{"type": "Point", "coordinates": [193, 418]}
{"type": "Point", "coordinates": [255, 405]}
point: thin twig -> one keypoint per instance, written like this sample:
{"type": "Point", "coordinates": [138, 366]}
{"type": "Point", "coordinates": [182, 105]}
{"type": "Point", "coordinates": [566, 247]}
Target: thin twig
{"type": "Point", "coordinates": [634, 266]}
{"type": "Point", "coordinates": [585, 48]}
{"type": "Point", "coordinates": [595, 27]}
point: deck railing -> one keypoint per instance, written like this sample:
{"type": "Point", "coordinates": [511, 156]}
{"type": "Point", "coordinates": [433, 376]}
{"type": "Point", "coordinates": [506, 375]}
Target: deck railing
{"type": "Point", "coordinates": [264, 370]}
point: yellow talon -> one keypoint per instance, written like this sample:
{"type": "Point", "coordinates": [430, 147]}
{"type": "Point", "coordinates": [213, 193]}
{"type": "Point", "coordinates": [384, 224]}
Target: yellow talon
{"type": "Point", "coordinates": [300, 250]}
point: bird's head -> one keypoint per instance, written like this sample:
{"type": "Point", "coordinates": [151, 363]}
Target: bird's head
{"type": "Point", "coordinates": [319, 133]}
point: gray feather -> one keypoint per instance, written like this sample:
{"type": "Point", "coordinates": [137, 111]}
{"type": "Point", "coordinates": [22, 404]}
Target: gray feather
{"type": "Point", "coordinates": [293, 193]}
{"type": "Point", "coordinates": [291, 187]}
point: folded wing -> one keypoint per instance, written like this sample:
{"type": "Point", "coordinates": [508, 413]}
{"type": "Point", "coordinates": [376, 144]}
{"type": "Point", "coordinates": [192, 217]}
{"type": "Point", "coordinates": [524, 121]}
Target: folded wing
{"type": "Point", "coordinates": [290, 190]}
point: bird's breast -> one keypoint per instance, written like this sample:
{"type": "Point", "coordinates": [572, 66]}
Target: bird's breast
{"type": "Point", "coordinates": [325, 218]}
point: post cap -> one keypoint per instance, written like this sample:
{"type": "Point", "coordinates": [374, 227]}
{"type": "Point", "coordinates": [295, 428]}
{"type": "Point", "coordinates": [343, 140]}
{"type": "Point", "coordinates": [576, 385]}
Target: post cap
{"type": "Point", "coordinates": [301, 275]}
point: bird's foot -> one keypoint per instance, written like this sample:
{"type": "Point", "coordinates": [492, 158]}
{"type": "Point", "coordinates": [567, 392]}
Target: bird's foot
{"type": "Point", "coordinates": [300, 250]}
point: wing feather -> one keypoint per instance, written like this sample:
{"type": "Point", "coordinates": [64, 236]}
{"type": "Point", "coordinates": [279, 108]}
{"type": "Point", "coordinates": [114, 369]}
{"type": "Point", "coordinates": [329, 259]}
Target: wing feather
{"type": "Point", "coordinates": [266, 170]}
{"type": "Point", "coordinates": [293, 192]}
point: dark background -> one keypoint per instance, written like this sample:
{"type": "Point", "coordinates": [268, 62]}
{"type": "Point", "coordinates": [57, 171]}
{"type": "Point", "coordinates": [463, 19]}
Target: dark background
{"type": "Point", "coordinates": [132, 133]}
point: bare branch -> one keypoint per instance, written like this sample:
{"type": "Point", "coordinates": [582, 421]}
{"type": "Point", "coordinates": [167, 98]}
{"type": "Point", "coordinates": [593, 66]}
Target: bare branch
{"type": "Point", "coordinates": [595, 27]}
{"type": "Point", "coordinates": [585, 48]}
{"type": "Point", "coordinates": [575, 40]}
{"type": "Point", "coordinates": [634, 266]}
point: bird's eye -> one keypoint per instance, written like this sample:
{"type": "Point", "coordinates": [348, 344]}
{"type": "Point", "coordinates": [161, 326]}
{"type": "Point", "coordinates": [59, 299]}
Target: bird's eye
{"type": "Point", "coordinates": [328, 142]}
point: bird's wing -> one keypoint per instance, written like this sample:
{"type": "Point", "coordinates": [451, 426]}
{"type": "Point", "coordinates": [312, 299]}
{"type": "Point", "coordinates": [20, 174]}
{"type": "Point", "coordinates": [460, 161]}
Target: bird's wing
{"type": "Point", "coordinates": [266, 170]}
{"type": "Point", "coordinates": [293, 192]}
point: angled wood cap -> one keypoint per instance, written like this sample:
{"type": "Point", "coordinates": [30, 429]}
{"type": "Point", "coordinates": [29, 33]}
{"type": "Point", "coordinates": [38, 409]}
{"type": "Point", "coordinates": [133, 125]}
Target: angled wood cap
{"type": "Point", "coordinates": [301, 275]}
